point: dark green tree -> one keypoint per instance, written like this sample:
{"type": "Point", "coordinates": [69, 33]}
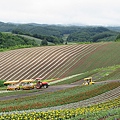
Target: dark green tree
{"type": "Point", "coordinates": [44, 42]}
{"type": "Point", "coordinates": [118, 38]}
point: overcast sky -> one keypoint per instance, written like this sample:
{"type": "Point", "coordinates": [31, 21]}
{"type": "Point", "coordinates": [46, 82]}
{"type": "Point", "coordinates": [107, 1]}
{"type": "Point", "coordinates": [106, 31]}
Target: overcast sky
{"type": "Point", "coordinates": [86, 12]}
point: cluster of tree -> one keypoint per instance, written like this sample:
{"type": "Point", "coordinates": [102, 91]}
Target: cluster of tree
{"type": "Point", "coordinates": [54, 33]}
{"type": "Point", "coordinates": [118, 37]}
{"type": "Point", "coordinates": [9, 40]}
{"type": "Point", "coordinates": [52, 39]}
{"type": "Point", "coordinates": [45, 38]}
{"type": "Point", "coordinates": [45, 30]}
{"type": "Point", "coordinates": [92, 34]}
{"type": "Point", "coordinates": [6, 27]}
{"type": "Point", "coordinates": [114, 28]}
{"type": "Point", "coordinates": [2, 83]}
{"type": "Point", "coordinates": [39, 29]}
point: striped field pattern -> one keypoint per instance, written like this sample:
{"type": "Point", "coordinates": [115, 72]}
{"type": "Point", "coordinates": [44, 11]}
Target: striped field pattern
{"type": "Point", "coordinates": [47, 62]}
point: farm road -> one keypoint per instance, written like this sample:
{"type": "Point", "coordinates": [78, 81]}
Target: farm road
{"type": "Point", "coordinates": [39, 92]}
{"type": "Point", "coordinates": [50, 89]}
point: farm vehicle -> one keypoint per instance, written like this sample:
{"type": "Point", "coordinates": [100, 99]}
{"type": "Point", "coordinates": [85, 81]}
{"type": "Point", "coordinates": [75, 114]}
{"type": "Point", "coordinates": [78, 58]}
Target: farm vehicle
{"type": "Point", "coordinates": [88, 81]}
{"type": "Point", "coordinates": [25, 84]}
{"type": "Point", "coordinates": [12, 85]}
{"type": "Point", "coordinates": [40, 84]}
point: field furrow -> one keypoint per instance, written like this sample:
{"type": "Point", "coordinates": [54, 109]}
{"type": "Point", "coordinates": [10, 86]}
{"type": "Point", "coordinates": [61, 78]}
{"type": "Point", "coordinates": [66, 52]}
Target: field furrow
{"type": "Point", "coordinates": [52, 61]}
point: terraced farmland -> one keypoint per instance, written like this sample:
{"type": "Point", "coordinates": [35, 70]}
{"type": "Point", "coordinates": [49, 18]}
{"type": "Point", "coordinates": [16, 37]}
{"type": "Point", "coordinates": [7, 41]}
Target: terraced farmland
{"type": "Point", "coordinates": [57, 61]}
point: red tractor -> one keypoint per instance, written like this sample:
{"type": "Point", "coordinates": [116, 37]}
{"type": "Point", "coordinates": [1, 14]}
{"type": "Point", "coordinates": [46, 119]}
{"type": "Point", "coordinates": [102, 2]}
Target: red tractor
{"type": "Point", "coordinates": [40, 84]}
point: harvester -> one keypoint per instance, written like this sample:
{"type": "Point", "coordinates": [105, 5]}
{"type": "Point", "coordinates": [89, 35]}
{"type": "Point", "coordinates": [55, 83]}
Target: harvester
{"type": "Point", "coordinates": [88, 81]}
{"type": "Point", "coordinates": [27, 84]}
{"type": "Point", "coordinates": [12, 85]}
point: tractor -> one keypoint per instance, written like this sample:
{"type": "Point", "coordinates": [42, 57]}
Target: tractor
{"type": "Point", "coordinates": [40, 84]}
{"type": "Point", "coordinates": [88, 81]}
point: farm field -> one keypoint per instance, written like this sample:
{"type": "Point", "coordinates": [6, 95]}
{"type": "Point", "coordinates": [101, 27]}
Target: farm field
{"type": "Point", "coordinates": [95, 112]}
{"type": "Point", "coordinates": [57, 61]}
{"type": "Point", "coordinates": [64, 67]}
{"type": "Point", "coordinates": [92, 102]}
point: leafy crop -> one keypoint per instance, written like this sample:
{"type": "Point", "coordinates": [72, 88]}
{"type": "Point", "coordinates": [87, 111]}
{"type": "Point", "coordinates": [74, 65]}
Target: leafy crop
{"type": "Point", "coordinates": [57, 98]}
{"type": "Point", "coordinates": [2, 83]}
{"type": "Point", "coordinates": [103, 110]}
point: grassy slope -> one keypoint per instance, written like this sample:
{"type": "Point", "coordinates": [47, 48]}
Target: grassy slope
{"type": "Point", "coordinates": [100, 74]}
{"type": "Point", "coordinates": [107, 55]}
{"type": "Point", "coordinates": [104, 56]}
{"type": "Point", "coordinates": [38, 41]}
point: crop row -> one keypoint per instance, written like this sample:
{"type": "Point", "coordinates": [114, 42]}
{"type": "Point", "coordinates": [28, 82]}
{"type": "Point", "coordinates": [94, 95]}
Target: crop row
{"type": "Point", "coordinates": [104, 56]}
{"type": "Point", "coordinates": [45, 62]}
{"type": "Point", "coordinates": [82, 112]}
{"type": "Point", "coordinates": [68, 96]}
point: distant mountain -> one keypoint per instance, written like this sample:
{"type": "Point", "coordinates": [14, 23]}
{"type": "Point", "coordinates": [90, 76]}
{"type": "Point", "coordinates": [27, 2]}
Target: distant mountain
{"type": "Point", "coordinates": [92, 34]}
{"type": "Point", "coordinates": [7, 27]}
{"type": "Point", "coordinates": [115, 28]}
{"type": "Point", "coordinates": [75, 33]}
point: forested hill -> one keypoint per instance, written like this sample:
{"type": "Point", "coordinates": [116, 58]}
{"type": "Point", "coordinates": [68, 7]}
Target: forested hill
{"type": "Point", "coordinates": [56, 32]}
{"type": "Point", "coordinates": [39, 29]}
{"type": "Point", "coordinates": [93, 34]}
{"type": "Point", "coordinates": [8, 40]}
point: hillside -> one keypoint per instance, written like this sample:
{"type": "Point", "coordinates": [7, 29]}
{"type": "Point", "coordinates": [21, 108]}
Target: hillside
{"type": "Point", "coordinates": [38, 41]}
{"type": "Point", "coordinates": [76, 33]}
{"type": "Point", "coordinates": [92, 34]}
{"type": "Point", "coordinates": [72, 100]}
{"type": "Point", "coordinates": [114, 28]}
{"type": "Point", "coordinates": [57, 61]}
{"type": "Point", "coordinates": [8, 40]}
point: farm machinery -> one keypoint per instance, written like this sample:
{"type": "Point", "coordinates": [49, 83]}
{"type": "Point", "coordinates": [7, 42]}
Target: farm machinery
{"type": "Point", "coordinates": [40, 84]}
{"type": "Point", "coordinates": [12, 85]}
{"type": "Point", "coordinates": [88, 81]}
{"type": "Point", "coordinates": [26, 84]}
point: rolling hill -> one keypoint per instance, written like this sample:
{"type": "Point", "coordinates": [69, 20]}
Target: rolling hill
{"type": "Point", "coordinates": [67, 101]}
{"type": "Point", "coordinates": [57, 61]}
{"type": "Point", "coordinates": [76, 33]}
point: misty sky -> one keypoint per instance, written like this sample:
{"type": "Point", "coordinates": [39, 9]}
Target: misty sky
{"type": "Point", "coordinates": [85, 12]}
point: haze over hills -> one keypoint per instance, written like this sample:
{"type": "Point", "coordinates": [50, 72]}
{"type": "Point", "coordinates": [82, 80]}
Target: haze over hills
{"type": "Point", "coordinates": [57, 32]}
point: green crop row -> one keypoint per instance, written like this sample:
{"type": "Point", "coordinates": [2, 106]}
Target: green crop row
{"type": "Point", "coordinates": [57, 98]}
{"type": "Point", "coordinates": [95, 112]}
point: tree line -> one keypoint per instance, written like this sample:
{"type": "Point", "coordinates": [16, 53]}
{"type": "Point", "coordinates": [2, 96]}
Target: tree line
{"type": "Point", "coordinates": [8, 40]}
{"type": "Point", "coordinates": [92, 34]}
{"type": "Point", "coordinates": [54, 33]}
{"type": "Point", "coordinates": [45, 38]}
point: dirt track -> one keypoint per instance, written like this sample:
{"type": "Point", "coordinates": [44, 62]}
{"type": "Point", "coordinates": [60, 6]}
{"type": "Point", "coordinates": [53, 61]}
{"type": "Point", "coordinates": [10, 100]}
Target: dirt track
{"type": "Point", "coordinates": [40, 91]}
{"type": "Point", "coordinates": [50, 89]}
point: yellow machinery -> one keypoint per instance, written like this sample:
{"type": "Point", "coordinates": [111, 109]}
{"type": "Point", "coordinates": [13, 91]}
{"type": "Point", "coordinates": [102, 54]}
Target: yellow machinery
{"type": "Point", "coordinates": [27, 84]}
{"type": "Point", "coordinates": [12, 85]}
{"type": "Point", "coordinates": [88, 81]}
{"type": "Point", "coordinates": [17, 84]}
